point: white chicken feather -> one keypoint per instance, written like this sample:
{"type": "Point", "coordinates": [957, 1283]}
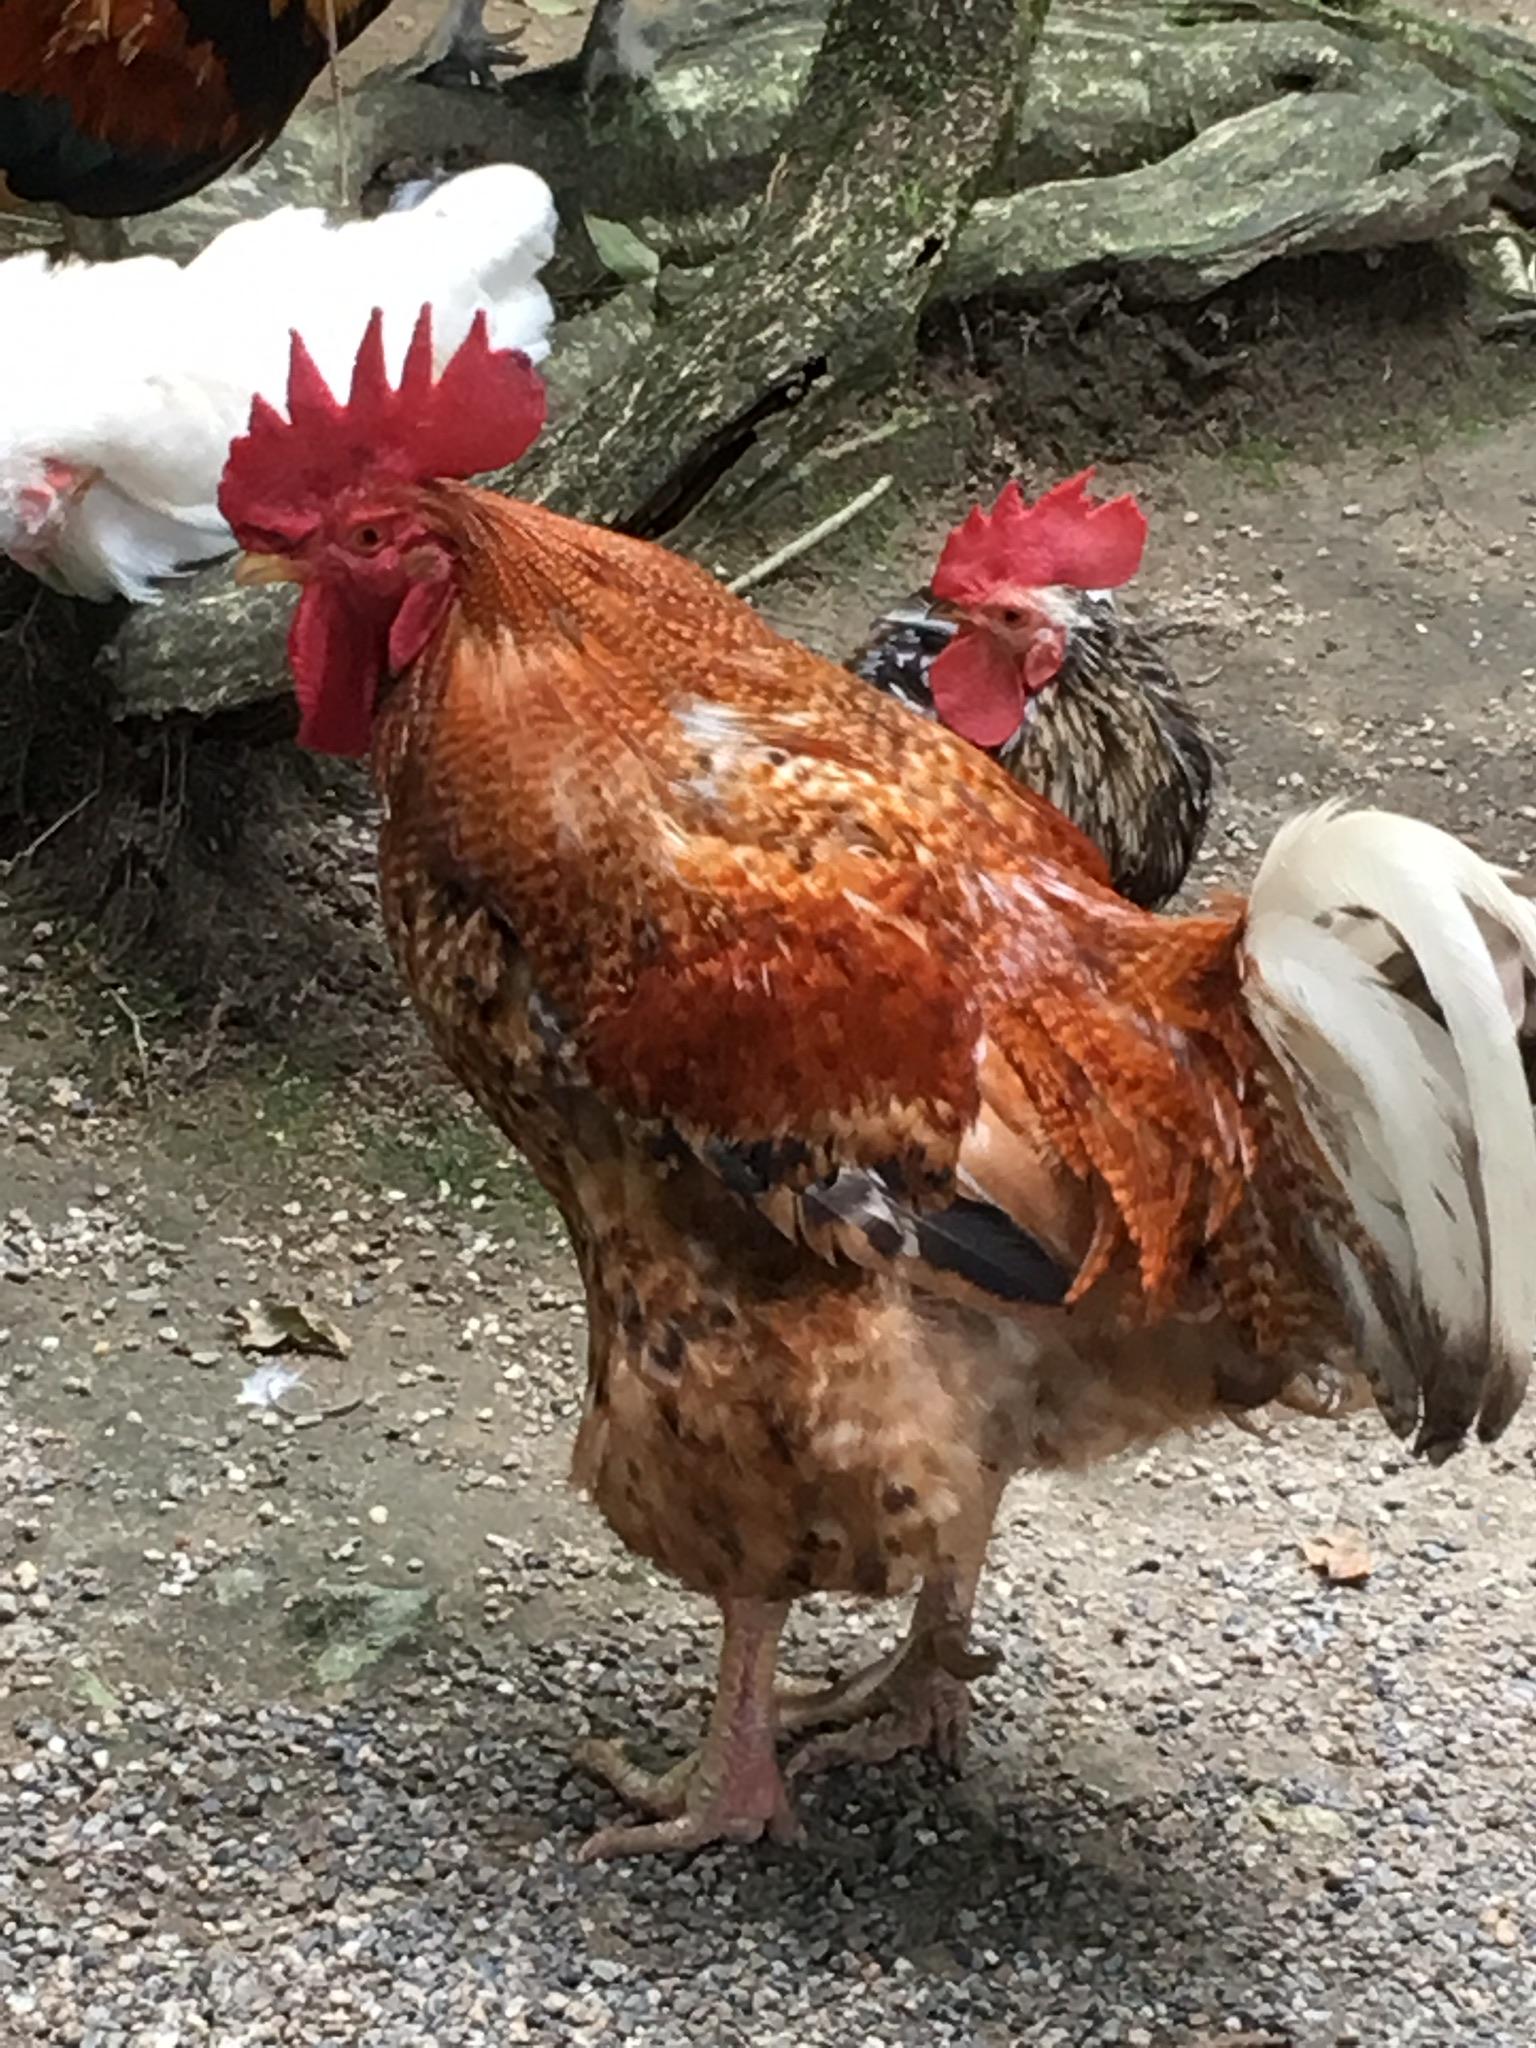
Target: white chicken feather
{"type": "Point", "coordinates": [123, 384]}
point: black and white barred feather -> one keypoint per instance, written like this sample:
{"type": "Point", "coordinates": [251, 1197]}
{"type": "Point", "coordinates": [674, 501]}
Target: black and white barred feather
{"type": "Point", "coordinates": [1111, 741]}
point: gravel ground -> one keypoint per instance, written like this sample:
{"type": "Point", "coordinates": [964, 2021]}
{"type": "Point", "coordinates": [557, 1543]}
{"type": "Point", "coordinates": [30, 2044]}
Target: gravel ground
{"type": "Point", "coordinates": [287, 1691]}
{"type": "Point", "coordinates": [1213, 1796]}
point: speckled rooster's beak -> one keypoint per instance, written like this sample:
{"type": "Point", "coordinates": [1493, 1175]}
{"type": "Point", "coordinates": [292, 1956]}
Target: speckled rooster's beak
{"type": "Point", "coordinates": [252, 569]}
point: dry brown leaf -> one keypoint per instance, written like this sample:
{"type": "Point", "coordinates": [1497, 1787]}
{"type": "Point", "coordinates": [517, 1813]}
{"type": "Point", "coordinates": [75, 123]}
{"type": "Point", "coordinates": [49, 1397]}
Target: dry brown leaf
{"type": "Point", "coordinates": [1342, 1557]}
{"type": "Point", "coordinates": [290, 1326]}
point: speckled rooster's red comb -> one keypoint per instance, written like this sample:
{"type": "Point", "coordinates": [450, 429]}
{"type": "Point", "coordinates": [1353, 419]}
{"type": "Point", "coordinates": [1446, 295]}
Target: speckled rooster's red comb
{"type": "Point", "coordinates": [481, 413]}
{"type": "Point", "coordinates": [1065, 537]}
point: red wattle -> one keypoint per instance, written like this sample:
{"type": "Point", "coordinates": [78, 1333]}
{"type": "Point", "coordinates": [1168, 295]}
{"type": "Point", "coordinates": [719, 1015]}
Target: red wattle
{"type": "Point", "coordinates": [337, 667]}
{"type": "Point", "coordinates": [343, 645]}
{"type": "Point", "coordinates": [977, 690]}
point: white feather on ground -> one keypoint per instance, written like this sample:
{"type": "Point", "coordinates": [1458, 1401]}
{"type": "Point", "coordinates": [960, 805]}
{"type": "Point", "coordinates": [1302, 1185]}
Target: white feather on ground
{"type": "Point", "coordinates": [123, 384]}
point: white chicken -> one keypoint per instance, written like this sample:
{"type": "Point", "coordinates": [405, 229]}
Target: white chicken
{"type": "Point", "coordinates": [123, 384]}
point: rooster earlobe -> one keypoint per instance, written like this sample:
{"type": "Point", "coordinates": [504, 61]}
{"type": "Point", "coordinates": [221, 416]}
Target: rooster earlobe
{"type": "Point", "coordinates": [977, 690]}
{"type": "Point", "coordinates": [417, 620]}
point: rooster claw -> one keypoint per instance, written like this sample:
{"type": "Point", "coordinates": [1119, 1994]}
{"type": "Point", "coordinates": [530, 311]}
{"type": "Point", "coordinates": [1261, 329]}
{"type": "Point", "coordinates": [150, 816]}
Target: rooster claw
{"type": "Point", "coordinates": [474, 63]}
{"type": "Point", "coordinates": [917, 1696]}
{"type": "Point", "coordinates": [932, 1713]}
{"type": "Point", "coordinates": [662, 1793]}
{"type": "Point", "coordinates": [462, 51]}
{"type": "Point", "coordinates": [694, 1804]}
{"type": "Point", "coordinates": [688, 1831]}
{"type": "Point", "coordinates": [952, 1655]}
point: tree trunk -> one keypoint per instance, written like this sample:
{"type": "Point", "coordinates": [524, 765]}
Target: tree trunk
{"type": "Point", "coordinates": [1497, 65]}
{"type": "Point", "coordinates": [683, 154]}
{"type": "Point", "coordinates": [1164, 157]}
{"type": "Point", "coordinates": [900, 119]}
{"type": "Point", "coordinates": [1375, 154]}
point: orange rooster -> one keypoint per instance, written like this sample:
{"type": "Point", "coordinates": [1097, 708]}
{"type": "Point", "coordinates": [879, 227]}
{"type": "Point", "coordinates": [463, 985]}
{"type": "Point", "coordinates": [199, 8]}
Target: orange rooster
{"type": "Point", "coordinates": [899, 1153]}
{"type": "Point", "coordinates": [116, 107]}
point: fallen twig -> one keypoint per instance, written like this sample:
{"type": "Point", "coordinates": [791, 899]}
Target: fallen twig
{"type": "Point", "coordinates": [802, 544]}
{"type": "Point", "coordinates": [306, 1418]}
{"type": "Point", "coordinates": [223, 1004]}
{"type": "Point", "coordinates": [8, 867]}
{"type": "Point", "coordinates": [137, 1028]}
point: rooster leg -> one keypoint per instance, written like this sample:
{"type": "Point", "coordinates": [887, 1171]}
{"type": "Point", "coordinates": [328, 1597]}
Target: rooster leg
{"type": "Point", "coordinates": [731, 1789]}
{"type": "Point", "coordinates": [462, 51]}
{"type": "Point", "coordinates": [918, 1695]}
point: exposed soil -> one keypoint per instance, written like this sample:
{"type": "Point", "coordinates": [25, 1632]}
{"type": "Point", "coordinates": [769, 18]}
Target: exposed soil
{"type": "Point", "coordinates": [1213, 1799]}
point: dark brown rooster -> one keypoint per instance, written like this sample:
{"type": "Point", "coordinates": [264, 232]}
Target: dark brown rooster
{"type": "Point", "coordinates": [117, 107]}
{"type": "Point", "coordinates": [1055, 682]}
{"type": "Point", "coordinates": [899, 1154]}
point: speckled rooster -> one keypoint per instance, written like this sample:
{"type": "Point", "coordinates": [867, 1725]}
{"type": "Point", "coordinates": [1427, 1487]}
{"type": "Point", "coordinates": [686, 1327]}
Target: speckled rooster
{"type": "Point", "coordinates": [899, 1153]}
{"type": "Point", "coordinates": [1019, 646]}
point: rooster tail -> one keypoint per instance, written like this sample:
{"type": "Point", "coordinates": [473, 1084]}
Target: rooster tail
{"type": "Point", "coordinates": [1389, 968]}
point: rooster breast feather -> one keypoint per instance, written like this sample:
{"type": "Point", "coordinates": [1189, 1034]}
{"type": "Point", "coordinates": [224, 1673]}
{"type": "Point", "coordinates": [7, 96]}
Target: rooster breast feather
{"type": "Point", "coordinates": [846, 978]}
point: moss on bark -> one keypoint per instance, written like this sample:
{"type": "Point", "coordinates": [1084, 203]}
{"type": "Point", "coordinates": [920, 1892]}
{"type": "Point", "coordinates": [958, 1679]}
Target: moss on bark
{"type": "Point", "coordinates": [902, 114]}
{"type": "Point", "coordinates": [824, 190]}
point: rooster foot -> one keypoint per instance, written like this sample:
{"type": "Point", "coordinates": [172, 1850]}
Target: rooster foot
{"type": "Point", "coordinates": [462, 50]}
{"type": "Point", "coordinates": [95, 241]}
{"type": "Point", "coordinates": [917, 1696]}
{"type": "Point", "coordinates": [706, 1798]}
{"type": "Point", "coordinates": [473, 63]}
{"type": "Point", "coordinates": [878, 1687]}
{"type": "Point", "coordinates": [729, 1790]}
{"type": "Point", "coordinates": [662, 1793]}
{"type": "Point", "coordinates": [934, 1714]}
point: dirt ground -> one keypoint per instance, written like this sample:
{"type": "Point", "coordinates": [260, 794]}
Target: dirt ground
{"type": "Point", "coordinates": [1189, 1726]}
{"type": "Point", "coordinates": [288, 1692]}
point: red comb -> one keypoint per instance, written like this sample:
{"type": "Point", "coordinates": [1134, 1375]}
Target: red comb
{"type": "Point", "coordinates": [1065, 537]}
{"type": "Point", "coordinates": [481, 413]}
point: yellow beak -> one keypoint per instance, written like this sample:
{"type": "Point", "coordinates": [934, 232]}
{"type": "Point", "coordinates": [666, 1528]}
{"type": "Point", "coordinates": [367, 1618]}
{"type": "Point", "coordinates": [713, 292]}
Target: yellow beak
{"type": "Point", "coordinates": [251, 569]}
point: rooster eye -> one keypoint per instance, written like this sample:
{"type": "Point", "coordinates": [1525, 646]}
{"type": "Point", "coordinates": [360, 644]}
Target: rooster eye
{"type": "Point", "coordinates": [1011, 615]}
{"type": "Point", "coordinates": [367, 540]}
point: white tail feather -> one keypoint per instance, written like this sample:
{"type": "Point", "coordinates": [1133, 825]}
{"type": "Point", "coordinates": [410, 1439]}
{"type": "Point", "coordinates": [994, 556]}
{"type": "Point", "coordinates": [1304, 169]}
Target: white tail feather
{"type": "Point", "coordinates": [1385, 967]}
